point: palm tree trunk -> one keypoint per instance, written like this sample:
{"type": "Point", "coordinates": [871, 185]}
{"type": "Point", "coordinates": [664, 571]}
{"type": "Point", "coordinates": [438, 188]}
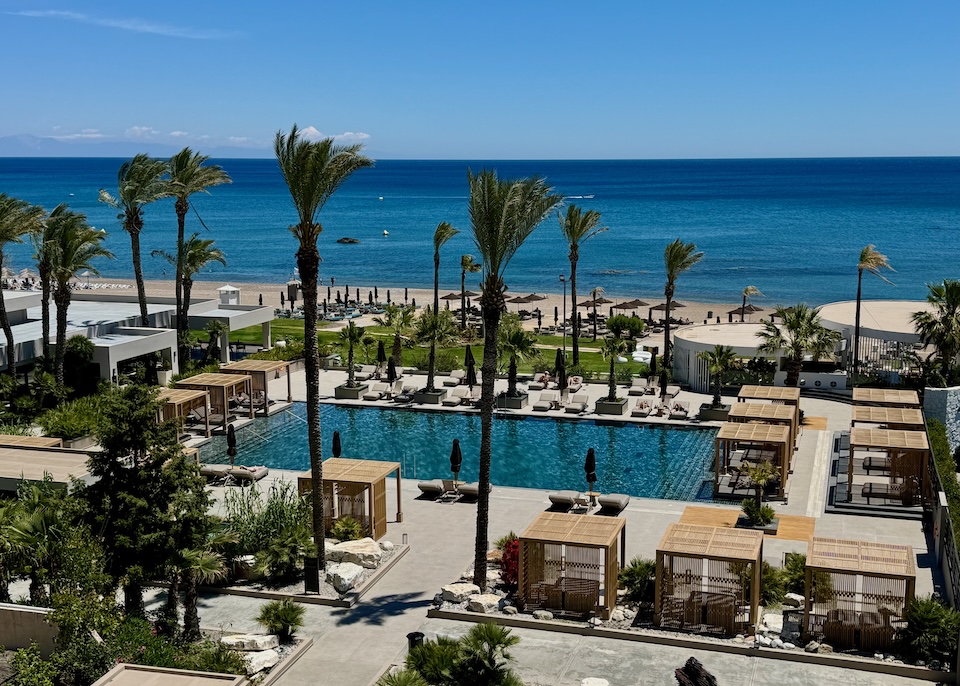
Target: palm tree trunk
{"type": "Point", "coordinates": [181, 207]}
{"type": "Point", "coordinates": [191, 619]}
{"type": "Point", "coordinates": [351, 374]}
{"type": "Point", "coordinates": [594, 322]}
{"type": "Point", "coordinates": [133, 599]}
{"type": "Point", "coordinates": [573, 308]}
{"type": "Point", "coordinates": [397, 350]}
{"type": "Point", "coordinates": [432, 367]}
{"type": "Point", "coordinates": [612, 382]}
{"type": "Point", "coordinates": [138, 274]}
{"type": "Point", "coordinates": [4, 585]}
{"type": "Point", "coordinates": [183, 350]}
{"type": "Point", "coordinates": [743, 308]}
{"type": "Point", "coordinates": [463, 299]}
{"type": "Point", "coordinates": [308, 261]}
{"type": "Point", "coordinates": [7, 332]}
{"type": "Point", "coordinates": [45, 315]}
{"type": "Point", "coordinates": [61, 298]}
{"type": "Point", "coordinates": [665, 360]}
{"type": "Point", "coordinates": [856, 333]}
{"type": "Point", "coordinates": [173, 599]}
{"type": "Point", "coordinates": [491, 324]}
{"type": "Point", "coordinates": [512, 378]}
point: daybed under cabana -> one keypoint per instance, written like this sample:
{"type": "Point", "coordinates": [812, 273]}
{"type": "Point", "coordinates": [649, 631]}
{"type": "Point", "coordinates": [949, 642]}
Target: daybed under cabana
{"type": "Point", "coordinates": [178, 403]}
{"type": "Point", "coordinates": [901, 455]}
{"type": "Point", "coordinates": [856, 592]}
{"type": "Point", "coordinates": [357, 489]}
{"type": "Point", "coordinates": [736, 446]}
{"type": "Point", "coordinates": [261, 371]}
{"type": "Point", "coordinates": [221, 387]}
{"type": "Point", "coordinates": [885, 397]}
{"type": "Point", "coordinates": [569, 563]}
{"type": "Point", "coordinates": [708, 579]}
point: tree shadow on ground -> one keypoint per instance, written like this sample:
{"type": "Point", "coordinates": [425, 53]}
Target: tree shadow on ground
{"type": "Point", "coordinates": [377, 610]}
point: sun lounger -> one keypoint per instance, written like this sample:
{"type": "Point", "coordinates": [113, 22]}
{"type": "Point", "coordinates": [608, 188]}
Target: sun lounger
{"type": "Point", "coordinates": [679, 410]}
{"type": "Point", "coordinates": [406, 395]}
{"type": "Point", "coordinates": [638, 387]}
{"type": "Point", "coordinates": [471, 490]}
{"type": "Point", "coordinates": [574, 383]}
{"type": "Point", "coordinates": [366, 372]}
{"type": "Point", "coordinates": [578, 405]}
{"type": "Point", "coordinates": [456, 378]}
{"type": "Point", "coordinates": [548, 400]}
{"type": "Point", "coordinates": [214, 472]}
{"type": "Point", "coordinates": [903, 492]}
{"type": "Point", "coordinates": [613, 503]}
{"type": "Point", "coordinates": [396, 390]}
{"type": "Point", "coordinates": [247, 475]}
{"type": "Point", "coordinates": [458, 396]}
{"type": "Point", "coordinates": [641, 409]}
{"type": "Point", "coordinates": [433, 489]}
{"type": "Point", "coordinates": [564, 499]}
{"type": "Point", "coordinates": [539, 382]}
{"type": "Point", "coordinates": [673, 391]}
{"type": "Point", "coordinates": [881, 463]}
{"type": "Point", "coordinates": [378, 391]}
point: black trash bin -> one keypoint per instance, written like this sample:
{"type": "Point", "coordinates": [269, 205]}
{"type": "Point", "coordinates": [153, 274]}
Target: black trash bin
{"type": "Point", "coordinates": [414, 639]}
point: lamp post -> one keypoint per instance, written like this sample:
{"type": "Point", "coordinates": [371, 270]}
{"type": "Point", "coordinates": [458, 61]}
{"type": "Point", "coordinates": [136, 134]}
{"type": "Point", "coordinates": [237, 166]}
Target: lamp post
{"type": "Point", "coordinates": [563, 280]}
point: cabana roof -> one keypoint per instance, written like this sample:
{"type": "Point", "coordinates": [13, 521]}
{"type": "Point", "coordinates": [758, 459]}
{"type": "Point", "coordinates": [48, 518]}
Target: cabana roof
{"type": "Point", "coordinates": [886, 396]}
{"type": "Point", "coordinates": [574, 530]}
{"type": "Point", "coordinates": [212, 380]}
{"type": "Point", "coordinates": [139, 675]}
{"type": "Point", "coordinates": [901, 416]}
{"type": "Point", "coordinates": [754, 433]}
{"type": "Point", "coordinates": [10, 441]}
{"type": "Point", "coordinates": [179, 396]}
{"type": "Point", "coordinates": [716, 543]}
{"type": "Point", "coordinates": [786, 394]}
{"type": "Point", "coordinates": [863, 557]}
{"type": "Point", "coordinates": [888, 439]}
{"type": "Point", "coordinates": [762, 411]}
{"type": "Point", "coordinates": [249, 365]}
{"type": "Point", "coordinates": [32, 464]}
{"type": "Point", "coordinates": [346, 470]}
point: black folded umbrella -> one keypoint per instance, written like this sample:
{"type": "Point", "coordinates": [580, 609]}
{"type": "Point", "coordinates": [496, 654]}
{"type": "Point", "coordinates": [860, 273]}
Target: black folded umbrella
{"type": "Point", "coordinates": [590, 467]}
{"type": "Point", "coordinates": [381, 353]}
{"type": "Point", "coordinates": [471, 364]}
{"type": "Point", "coordinates": [231, 442]}
{"type": "Point", "coordinates": [337, 449]}
{"type": "Point", "coordinates": [456, 459]}
{"type": "Point", "coordinates": [559, 363]}
{"type": "Point", "coordinates": [391, 370]}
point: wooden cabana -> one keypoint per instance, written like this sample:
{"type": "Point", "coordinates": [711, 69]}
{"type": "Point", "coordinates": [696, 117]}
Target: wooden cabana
{"type": "Point", "coordinates": [766, 413]}
{"type": "Point", "coordinates": [221, 387]}
{"type": "Point", "coordinates": [902, 455]}
{"type": "Point", "coordinates": [885, 397]}
{"type": "Point", "coordinates": [178, 403]}
{"type": "Point", "coordinates": [261, 371]}
{"type": "Point", "coordinates": [708, 579]}
{"type": "Point", "coordinates": [570, 563]}
{"type": "Point", "coordinates": [12, 441]}
{"type": "Point", "coordinates": [35, 463]}
{"type": "Point", "coordinates": [358, 489]}
{"type": "Point", "coordinates": [856, 592]}
{"type": "Point", "coordinates": [737, 445]}
{"type": "Point", "coordinates": [778, 395]}
{"type": "Point", "coordinates": [895, 418]}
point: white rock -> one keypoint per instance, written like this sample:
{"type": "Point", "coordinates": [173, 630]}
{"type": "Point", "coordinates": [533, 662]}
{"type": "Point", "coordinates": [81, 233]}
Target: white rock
{"type": "Point", "coordinates": [542, 614]}
{"type": "Point", "coordinates": [596, 621]}
{"type": "Point", "coordinates": [458, 593]}
{"type": "Point", "coordinates": [878, 656]}
{"type": "Point", "coordinates": [261, 660]}
{"type": "Point", "coordinates": [617, 616]}
{"type": "Point", "coordinates": [793, 600]}
{"type": "Point", "coordinates": [493, 577]}
{"type": "Point", "coordinates": [594, 681]}
{"type": "Point", "coordinates": [773, 623]}
{"type": "Point", "coordinates": [343, 576]}
{"type": "Point", "coordinates": [509, 610]}
{"type": "Point", "coordinates": [366, 552]}
{"type": "Point", "coordinates": [788, 646]}
{"type": "Point", "coordinates": [764, 641]}
{"type": "Point", "coordinates": [629, 614]}
{"type": "Point", "coordinates": [252, 641]}
{"type": "Point", "coordinates": [812, 647]}
{"type": "Point", "coordinates": [483, 602]}
{"type": "Point", "coordinates": [777, 643]}
{"type": "Point", "coordinates": [386, 545]}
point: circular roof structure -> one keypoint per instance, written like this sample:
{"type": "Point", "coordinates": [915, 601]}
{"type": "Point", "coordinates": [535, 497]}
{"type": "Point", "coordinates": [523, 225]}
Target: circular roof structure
{"type": "Point", "coordinates": [742, 337]}
{"type": "Point", "coordinates": [888, 320]}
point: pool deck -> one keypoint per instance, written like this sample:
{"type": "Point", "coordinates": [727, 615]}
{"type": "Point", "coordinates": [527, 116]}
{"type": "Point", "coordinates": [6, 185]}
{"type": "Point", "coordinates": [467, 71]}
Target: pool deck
{"type": "Point", "coordinates": [353, 647]}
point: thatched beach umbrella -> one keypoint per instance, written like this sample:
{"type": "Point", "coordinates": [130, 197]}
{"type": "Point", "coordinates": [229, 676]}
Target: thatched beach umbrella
{"type": "Point", "coordinates": [231, 442]}
{"type": "Point", "coordinates": [456, 459]}
{"type": "Point", "coordinates": [449, 297]}
{"type": "Point", "coordinates": [337, 448]}
{"type": "Point", "coordinates": [470, 294]}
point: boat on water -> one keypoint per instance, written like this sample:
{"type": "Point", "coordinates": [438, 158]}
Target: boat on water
{"type": "Point", "coordinates": [386, 233]}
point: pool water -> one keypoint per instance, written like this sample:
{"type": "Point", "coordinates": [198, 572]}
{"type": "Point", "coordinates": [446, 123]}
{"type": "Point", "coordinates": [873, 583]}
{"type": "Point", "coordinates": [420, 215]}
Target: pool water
{"type": "Point", "coordinates": [650, 461]}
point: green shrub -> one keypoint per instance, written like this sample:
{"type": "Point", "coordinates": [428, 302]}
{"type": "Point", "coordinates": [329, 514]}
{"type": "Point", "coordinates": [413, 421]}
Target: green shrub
{"type": "Point", "coordinates": [772, 584]}
{"type": "Point", "coordinates": [638, 579]}
{"type": "Point", "coordinates": [759, 515]}
{"type": "Point", "coordinates": [256, 521]}
{"type": "Point", "coordinates": [293, 350]}
{"type": "Point", "coordinates": [347, 529]}
{"type": "Point", "coordinates": [580, 370]}
{"type": "Point", "coordinates": [947, 469]}
{"type": "Point", "coordinates": [403, 677]}
{"type": "Point", "coordinates": [542, 364]}
{"type": "Point", "coordinates": [434, 660]}
{"type": "Point", "coordinates": [795, 573]}
{"type": "Point", "coordinates": [281, 617]}
{"type": "Point", "coordinates": [931, 631]}
{"type": "Point", "coordinates": [284, 553]}
{"type": "Point", "coordinates": [73, 419]}
{"type": "Point", "coordinates": [501, 542]}
{"type": "Point", "coordinates": [624, 375]}
{"type": "Point", "coordinates": [213, 656]}
{"type": "Point", "coordinates": [446, 360]}
{"type": "Point", "coordinates": [31, 669]}
{"type": "Point", "coordinates": [195, 369]}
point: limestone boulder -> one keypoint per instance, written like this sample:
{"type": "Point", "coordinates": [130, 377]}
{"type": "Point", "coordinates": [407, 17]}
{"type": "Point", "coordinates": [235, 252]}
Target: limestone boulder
{"type": "Point", "coordinates": [247, 642]}
{"type": "Point", "coordinates": [386, 546]}
{"type": "Point", "coordinates": [545, 615]}
{"type": "Point", "coordinates": [365, 552]}
{"type": "Point", "coordinates": [617, 616]}
{"type": "Point", "coordinates": [458, 593]}
{"type": "Point", "coordinates": [773, 623]}
{"type": "Point", "coordinates": [509, 610]}
{"type": "Point", "coordinates": [261, 660]}
{"type": "Point", "coordinates": [484, 603]}
{"type": "Point", "coordinates": [344, 576]}
{"type": "Point", "coordinates": [793, 600]}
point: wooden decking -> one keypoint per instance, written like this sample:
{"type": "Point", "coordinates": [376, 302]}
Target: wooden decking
{"type": "Point", "coordinates": [791, 527]}
{"type": "Point", "coordinates": [815, 423]}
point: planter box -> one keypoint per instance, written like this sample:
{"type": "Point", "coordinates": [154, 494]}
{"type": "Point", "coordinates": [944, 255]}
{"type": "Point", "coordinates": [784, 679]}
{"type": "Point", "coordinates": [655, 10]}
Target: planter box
{"type": "Point", "coordinates": [744, 523]}
{"type": "Point", "coordinates": [506, 402]}
{"type": "Point", "coordinates": [431, 398]}
{"type": "Point", "coordinates": [81, 442]}
{"type": "Point", "coordinates": [345, 393]}
{"type": "Point", "coordinates": [616, 407]}
{"type": "Point", "coordinates": [164, 376]}
{"type": "Point", "coordinates": [709, 413]}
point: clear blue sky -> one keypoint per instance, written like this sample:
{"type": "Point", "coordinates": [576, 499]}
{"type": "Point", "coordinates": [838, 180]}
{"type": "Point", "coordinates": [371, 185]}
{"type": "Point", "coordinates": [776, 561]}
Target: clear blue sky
{"type": "Point", "coordinates": [493, 80]}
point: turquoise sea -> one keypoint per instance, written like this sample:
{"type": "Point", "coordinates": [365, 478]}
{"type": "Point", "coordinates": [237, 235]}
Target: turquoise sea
{"type": "Point", "coordinates": [792, 227]}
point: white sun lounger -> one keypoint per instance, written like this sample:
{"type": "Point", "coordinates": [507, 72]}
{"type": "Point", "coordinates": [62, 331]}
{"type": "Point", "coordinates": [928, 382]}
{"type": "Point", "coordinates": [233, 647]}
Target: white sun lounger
{"type": "Point", "coordinates": [578, 405]}
{"type": "Point", "coordinates": [638, 387]}
{"type": "Point", "coordinates": [456, 378]}
{"type": "Point", "coordinates": [548, 400]}
{"type": "Point", "coordinates": [378, 391]}
{"type": "Point", "coordinates": [458, 396]}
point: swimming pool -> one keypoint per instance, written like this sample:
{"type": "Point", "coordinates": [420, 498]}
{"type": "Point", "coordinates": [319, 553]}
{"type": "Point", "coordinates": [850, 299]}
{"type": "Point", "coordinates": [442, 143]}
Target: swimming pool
{"type": "Point", "coordinates": [650, 461]}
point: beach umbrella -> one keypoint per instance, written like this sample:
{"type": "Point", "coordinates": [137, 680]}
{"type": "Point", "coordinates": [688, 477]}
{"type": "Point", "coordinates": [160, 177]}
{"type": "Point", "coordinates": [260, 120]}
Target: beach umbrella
{"type": "Point", "coordinates": [358, 295]}
{"type": "Point", "coordinates": [381, 353]}
{"type": "Point", "coordinates": [559, 362]}
{"type": "Point", "coordinates": [391, 370]}
{"type": "Point", "coordinates": [388, 296]}
{"type": "Point", "coordinates": [328, 293]}
{"type": "Point", "coordinates": [376, 294]}
{"type": "Point", "coordinates": [590, 468]}
{"type": "Point", "coordinates": [449, 297]}
{"type": "Point", "coordinates": [405, 293]}
{"type": "Point", "coordinates": [7, 273]}
{"type": "Point", "coordinates": [261, 300]}
{"type": "Point", "coordinates": [324, 305]}
{"type": "Point", "coordinates": [470, 294]}
{"type": "Point", "coordinates": [448, 305]}
{"type": "Point", "coordinates": [456, 459]}
{"type": "Point", "coordinates": [562, 378]}
{"type": "Point", "coordinates": [339, 298]}
{"type": "Point", "coordinates": [27, 273]}
{"type": "Point", "coordinates": [337, 448]}
{"type": "Point", "coordinates": [653, 361]}
{"type": "Point", "coordinates": [281, 298]}
{"type": "Point", "coordinates": [471, 364]}
{"type": "Point", "coordinates": [346, 293]}
{"type": "Point", "coordinates": [533, 297]}
{"type": "Point", "coordinates": [539, 319]}
{"type": "Point", "coordinates": [369, 297]}
{"type": "Point", "coordinates": [556, 315]}
{"type": "Point", "coordinates": [587, 303]}
{"type": "Point", "coordinates": [413, 301]}
{"type": "Point", "coordinates": [231, 442]}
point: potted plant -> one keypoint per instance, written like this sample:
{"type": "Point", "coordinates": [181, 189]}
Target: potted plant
{"type": "Point", "coordinates": [719, 361]}
{"type": "Point", "coordinates": [351, 335]}
{"type": "Point", "coordinates": [611, 349]}
{"type": "Point", "coordinates": [514, 345]}
{"type": "Point", "coordinates": [756, 515]}
{"type": "Point", "coordinates": [438, 329]}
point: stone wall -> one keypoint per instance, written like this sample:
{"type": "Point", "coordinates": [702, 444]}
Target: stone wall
{"type": "Point", "coordinates": [944, 404]}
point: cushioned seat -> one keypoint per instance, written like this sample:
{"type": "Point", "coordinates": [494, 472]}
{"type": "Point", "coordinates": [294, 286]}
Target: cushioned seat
{"type": "Point", "coordinates": [247, 475]}
{"type": "Point", "coordinates": [214, 472]}
{"type": "Point", "coordinates": [432, 488]}
{"type": "Point", "coordinates": [564, 499]}
{"type": "Point", "coordinates": [613, 503]}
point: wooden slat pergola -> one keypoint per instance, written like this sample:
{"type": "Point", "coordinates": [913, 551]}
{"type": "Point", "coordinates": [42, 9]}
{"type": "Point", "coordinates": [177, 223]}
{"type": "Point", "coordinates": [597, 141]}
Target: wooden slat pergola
{"type": "Point", "coordinates": [178, 403]}
{"type": "Point", "coordinates": [358, 489]}
{"type": "Point", "coordinates": [570, 563]}
{"type": "Point", "coordinates": [777, 395]}
{"type": "Point", "coordinates": [857, 590]}
{"type": "Point", "coordinates": [885, 397]}
{"type": "Point", "coordinates": [908, 453]}
{"type": "Point", "coordinates": [32, 463]}
{"type": "Point", "coordinates": [12, 441]}
{"type": "Point", "coordinates": [895, 418]}
{"type": "Point", "coordinates": [769, 442]}
{"type": "Point", "coordinates": [766, 413]}
{"type": "Point", "coordinates": [221, 388]}
{"type": "Point", "coordinates": [708, 579]}
{"type": "Point", "coordinates": [261, 371]}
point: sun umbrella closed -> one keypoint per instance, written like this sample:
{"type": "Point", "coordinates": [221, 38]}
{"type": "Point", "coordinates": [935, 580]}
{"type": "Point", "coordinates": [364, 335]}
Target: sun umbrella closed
{"type": "Point", "coordinates": [471, 364]}
{"type": "Point", "coordinates": [391, 370]}
{"type": "Point", "coordinates": [590, 468]}
{"type": "Point", "coordinates": [456, 459]}
{"type": "Point", "coordinates": [231, 442]}
{"type": "Point", "coordinates": [559, 362]}
{"type": "Point", "coordinates": [337, 448]}
{"type": "Point", "coordinates": [381, 353]}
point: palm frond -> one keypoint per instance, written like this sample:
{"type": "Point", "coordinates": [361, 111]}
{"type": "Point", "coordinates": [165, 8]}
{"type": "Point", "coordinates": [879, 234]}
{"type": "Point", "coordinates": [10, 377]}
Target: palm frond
{"type": "Point", "coordinates": [872, 261]}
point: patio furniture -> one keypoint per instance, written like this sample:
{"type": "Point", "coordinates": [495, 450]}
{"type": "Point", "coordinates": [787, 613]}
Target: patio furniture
{"type": "Point", "coordinates": [458, 396]}
{"type": "Point", "coordinates": [564, 500]}
{"type": "Point", "coordinates": [378, 391]}
{"type": "Point", "coordinates": [909, 453]}
{"type": "Point", "coordinates": [679, 410]}
{"type": "Point", "coordinates": [456, 378]}
{"type": "Point", "coordinates": [356, 488]}
{"type": "Point", "coordinates": [880, 463]}
{"type": "Point", "coordinates": [638, 386]}
{"type": "Point", "coordinates": [578, 405]}
{"type": "Point", "coordinates": [641, 409]}
{"type": "Point", "coordinates": [574, 383]}
{"type": "Point", "coordinates": [247, 475]}
{"type": "Point", "coordinates": [548, 400]}
{"type": "Point", "coordinates": [613, 503]}
{"type": "Point", "coordinates": [767, 442]}
{"type": "Point", "coordinates": [406, 395]}
{"type": "Point", "coordinates": [215, 472]}
{"type": "Point", "coordinates": [366, 372]}
{"type": "Point", "coordinates": [432, 489]}
{"type": "Point", "coordinates": [470, 490]}
{"type": "Point", "coordinates": [905, 493]}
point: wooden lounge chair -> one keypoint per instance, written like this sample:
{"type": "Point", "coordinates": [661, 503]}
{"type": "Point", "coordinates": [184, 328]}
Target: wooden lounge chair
{"type": "Point", "coordinates": [456, 378]}
{"type": "Point", "coordinates": [432, 489]}
{"type": "Point", "coordinates": [458, 396]}
{"type": "Point", "coordinates": [548, 400]}
{"type": "Point", "coordinates": [679, 410]}
{"type": "Point", "coordinates": [245, 476]}
{"type": "Point", "coordinates": [613, 503]}
{"type": "Point", "coordinates": [378, 391]}
{"type": "Point", "coordinates": [578, 405]}
{"type": "Point", "coordinates": [641, 409]}
{"type": "Point", "coordinates": [638, 387]}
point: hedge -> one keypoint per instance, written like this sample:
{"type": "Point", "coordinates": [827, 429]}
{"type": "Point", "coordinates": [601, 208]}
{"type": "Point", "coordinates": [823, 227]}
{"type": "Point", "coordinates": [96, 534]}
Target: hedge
{"type": "Point", "coordinates": [947, 469]}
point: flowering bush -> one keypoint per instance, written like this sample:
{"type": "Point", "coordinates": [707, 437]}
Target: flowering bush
{"type": "Point", "coordinates": [510, 563]}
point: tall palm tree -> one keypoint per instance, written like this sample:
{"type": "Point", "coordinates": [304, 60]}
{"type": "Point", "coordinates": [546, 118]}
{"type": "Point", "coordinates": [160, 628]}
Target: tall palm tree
{"type": "Point", "coordinates": [313, 171]}
{"type": "Point", "coordinates": [139, 183]}
{"type": "Point", "coordinates": [189, 174]}
{"type": "Point", "coordinates": [199, 567]}
{"type": "Point", "coordinates": [612, 348]}
{"type": "Point", "coordinates": [75, 246]}
{"type": "Point", "coordinates": [194, 254]}
{"type": "Point", "coordinates": [719, 361]}
{"type": "Point", "coordinates": [43, 247]}
{"type": "Point", "coordinates": [443, 233]}
{"type": "Point", "coordinates": [400, 320]}
{"type": "Point", "coordinates": [678, 257]}
{"type": "Point", "coordinates": [502, 215]}
{"type": "Point", "coordinates": [578, 226]}
{"type": "Point", "coordinates": [17, 219]}
{"type": "Point", "coordinates": [515, 345]}
{"type": "Point", "coordinates": [351, 336]}
{"type": "Point", "coordinates": [748, 292]}
{"type": "Point", "coordinates": [871, 261]}
{"type": "Point", "coordinates": [941, 328]}
{"type": "Point", "coordinates": [466, 265]}
{"type": "Point", "coordinates": [800, 333]}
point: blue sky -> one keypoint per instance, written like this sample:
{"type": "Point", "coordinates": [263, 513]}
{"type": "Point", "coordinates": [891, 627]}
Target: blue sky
{"type": "Point", "coordinates": [491, 80]}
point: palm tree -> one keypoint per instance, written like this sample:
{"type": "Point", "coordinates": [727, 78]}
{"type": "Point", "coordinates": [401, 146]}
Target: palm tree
{"type": "Point", "coordinates": [200, 567]}
{"type": "Point", "coordinates": [443, 233]}
{"type": "Point", "coordinates": [871, 261]}
{"type": "Point", "coordinates": [194, 254]}
{"type": "Point", "coordinates": [678, 257]}
{"type": "Point", "coordinates": [941, 328]}
{"type": "Point", "coordinates": [139, 183]}
{"type": "Point", "coordinates": [748, 292]}
{"type": "Point", "coordinates": [502, 215]}
{"type": "Point", "coordinates": [438, 329]}
{"type": "Point", "coordinates": [577, 227]}
{"type": "Point", "coordinates": [719, 361]}
{"type": "Point", "coordinates": [400, 320]}
{"type": "Point", "coordinates": [75, 245]}
{"type": "Point", "coordinates": [800, 333]}
{"type": "Point", "coordinates": [17, 219]}
{"type": "Point", "coordinates": [313, 171]}
{"type": "Point", "coordinates": [612, 348]}
{"type": "Point", "coordinates": [515, 345]}
{"type": "Point", "coordinates": [43, 246]}
{"type": "Point", "coordinates": [215, 330]}
{"type": "Point", "coordinates": [189, 174]}
{"type": "Point", "coordinates": [466, 265]}
{"type": "Point", "coordinates": [351, 335]}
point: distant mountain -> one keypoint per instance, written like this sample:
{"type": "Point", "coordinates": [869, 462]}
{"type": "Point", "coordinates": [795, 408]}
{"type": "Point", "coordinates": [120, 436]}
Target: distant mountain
{"type": "Point", "coordinates": [25, 145]}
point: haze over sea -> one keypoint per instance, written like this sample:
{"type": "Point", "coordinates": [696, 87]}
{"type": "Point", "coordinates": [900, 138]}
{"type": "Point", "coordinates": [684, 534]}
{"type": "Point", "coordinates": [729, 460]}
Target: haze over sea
{"type": "Point", "coordinates": [791, 227]}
